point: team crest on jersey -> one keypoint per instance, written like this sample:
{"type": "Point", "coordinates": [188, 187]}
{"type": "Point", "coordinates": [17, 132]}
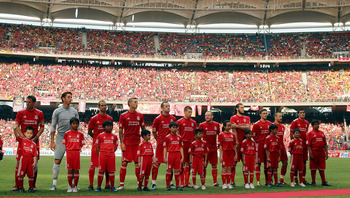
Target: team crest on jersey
{"type": "Point", "coordinates": [31, 146]}
{"type": "Point", "coordinates": [215, 128]}
{"type": "Point", "coordinates": [206, 128]}
{"type": "Point", "coordinates": [98, 122]}
{"type": "Point", "coordinates": [36, 117]}
{"type": "Point", "coordinates": [138, 118]}
{"type": "Point", "coordinates": [78, 136]}
{"type": "Point", "coordinates": [237, 120]}
{"type": "Point", "coordinates": [192, 124]}
{"type": "Point", "coordinates": [244, 120]}
{"type": "Point", "coordinates": [171, 120]}
{"type": "Point", "coordinates": [112, 138]}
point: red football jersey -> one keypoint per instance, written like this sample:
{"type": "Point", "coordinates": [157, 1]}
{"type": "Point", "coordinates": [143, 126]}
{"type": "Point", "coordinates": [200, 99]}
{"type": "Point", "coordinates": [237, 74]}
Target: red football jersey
{"type": "Point", "coordinates": [316, 139]}
{"type": "Point", "coordinates": [1, 142]}
{"type": "Point", "coordinates": [210, 132]}
{"type": "Point", "coordinates": [173, 143]}
{"type": "Point", "coordinates": [33, 118]}
{"type": "Point", "coordinates": [145, 148]}
{"type": "Point", "coordinates": [187, 128]}
{"type": "Point", "coordinates": [198, 148]}
{"type": "Point", "coordinates": [107, 142]}
{"type": "Point", "coordinates": [296, 146]}
{"type": "Point", "coordinates": [96, 123]}
{"type": "Point", "coordinates": [248, 147]}
{"type": "Point", "coordinates": [280, 131]}
{"type": "Point", "coordinates": [28, 148]}
{"type": "Point", "coordinates": [227, 141]}
{"type": "Point", "coordinates": [272, 144]}
{"type": "Point", "coordinates": [302, 125]}
{"type": "Point", "coordinates": [131, 123]}
{"type": "Point", "coordinates": [261, 131]}
{"type": "Point", "coordinates": [240, 121]}
{"type": "Point", "coordinates": [74, 140]}
{"type": "Point", "coordinates": [161, 126]}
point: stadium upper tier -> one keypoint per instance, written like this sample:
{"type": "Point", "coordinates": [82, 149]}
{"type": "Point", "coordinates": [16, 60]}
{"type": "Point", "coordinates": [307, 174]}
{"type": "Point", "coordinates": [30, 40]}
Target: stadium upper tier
{"type": "Point", "coordinates": [27, 38]}
{"type": "Point", "coordinates": [150, 84]}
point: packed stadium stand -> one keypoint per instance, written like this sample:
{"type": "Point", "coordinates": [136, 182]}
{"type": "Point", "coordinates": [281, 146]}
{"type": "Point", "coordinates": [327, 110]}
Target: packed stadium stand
{"type": "Point", "coordinates": [150, 84]}
{"type": "Point", "coordinates": [211, 46]}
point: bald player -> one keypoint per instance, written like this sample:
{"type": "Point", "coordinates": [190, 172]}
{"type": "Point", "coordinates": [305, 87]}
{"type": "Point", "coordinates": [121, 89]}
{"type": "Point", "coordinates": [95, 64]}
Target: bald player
{"type": "Point", "coordinates": [211, 131]}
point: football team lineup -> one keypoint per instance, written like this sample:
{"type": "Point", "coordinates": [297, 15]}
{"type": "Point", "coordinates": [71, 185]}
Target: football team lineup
{"type": "Point", "coordinates": [183, 147]}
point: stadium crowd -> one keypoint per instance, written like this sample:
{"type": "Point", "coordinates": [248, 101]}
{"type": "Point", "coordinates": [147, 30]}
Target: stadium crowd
{"type": "Point", "coordinates": [150, 84]}
{"type": "Point", "coordinates": [171, 45]}
{"type": "Point", "coordinates": [333, 132]}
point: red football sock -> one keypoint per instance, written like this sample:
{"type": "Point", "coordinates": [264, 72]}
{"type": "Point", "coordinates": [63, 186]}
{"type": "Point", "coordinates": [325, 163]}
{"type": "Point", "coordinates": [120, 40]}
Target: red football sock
{"type": "Point", "coordinates": [182, 177]}
{"type": "Point", "coordinates": [266, 175]}
{"type": "Point", "coordinates": [146, 181]}
{"type": "Point", "coordinates": [202, 180]}
{"type": "Point", "coordinates": [233, 174]}
{"type": "Point", "coordinates": [269, 176]}
{"type": "Point", "coordinates": [168, 177]}
{"type": "Point", "coordinates": [228, 177]}
{"type": "Point", "coordinates": [76, 179]}
{"type": "Point", "coordinates": [35, 177]}
{"type": "Point", "coordinates": [20, 182]}
{"type": "Point", "coordinates": [16, 177]}
{"type": "Point", "coordinates": [301, 174]}
{"type": "Point", "coordinates": [251, 176]}
{"type": "Point", "coordinates": [214, 172]}
{"type": "Point", "coordinates": [245, 174]}
{"type": "Point", "coordinates": [275, 176]}
{"type": "Point", "coordinates": [292, 173]}
{"type": "Point", "coordinates": [313, 175]}
{"type": "Point", "coordinates": [111, 178]}
{"type": "Point", "coordinates": [70, 179]}
{"type": "Point", "coordinates": [257, 173]}
{"type": "Point", "coordinates": [31, 182]}
{"type": "Point", "coordinates": [194, 177]}
{"type": "Point", "coordinates": [99, 179]}
{"type": "Point", "coordinates": [205, 172]}
{"type": "Point", "coordinates": [155, 169]}
{"type": "Point", "coordinates": [91, 176]}
{"type": "Point", "coordinates": [107, 178]}
{"type": "Point", "coordinates": [223, 177]}
{"type": "Point", "coordinates": [137, 172]}
{"type": "Point", "coordinates": [177, 175]}
{"type": "Point", "coordinates": [139, 182]}
{"type": "Point", "coordinates": [122, 174]}
{"type": "Point", "coordinates": [283, 170]}
{"type": "Point", "coordinates": [187, 174]}
{"type": "Point", "coordinates": [323, 177]}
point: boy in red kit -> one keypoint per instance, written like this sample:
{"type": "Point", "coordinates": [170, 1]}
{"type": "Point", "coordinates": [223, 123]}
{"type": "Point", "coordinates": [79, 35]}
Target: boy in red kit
{"type": "Point", "coordinates": [27, 160]}
{"type": "Point", "coordinates": [248, 150]}
{"type": "Point", "coordinates": [198, 158]}
{"type": "Point", "coordinates": [318, 149]}
{"type": "Point", "coordinates": [186, 130]}
{"type": "Point", "coordinates": [145, 154]}
{"type": "Point", "coordinates": [296, 149]}
{"type": "Point", "coordinates": [94, 129]}
{"type": "Point", "coordinates": [228, 153]}
{"type": "Point", "coordinates": [106, 144]}
{"type": "Point", "coordinates": [74, 141]}
{"type": "Point", "coordinates": [272, 148]}
{"type": "Point", "coordinates": [211, 131]}
{"type": "Point", "coordinates": [260, 131]}
{"type": "Point", "coordinates": [173, 155]}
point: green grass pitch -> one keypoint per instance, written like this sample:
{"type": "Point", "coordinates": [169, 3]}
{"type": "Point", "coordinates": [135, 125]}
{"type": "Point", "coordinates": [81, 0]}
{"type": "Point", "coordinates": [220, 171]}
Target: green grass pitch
{"type": "Point", "coordinates": [337, 174]}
